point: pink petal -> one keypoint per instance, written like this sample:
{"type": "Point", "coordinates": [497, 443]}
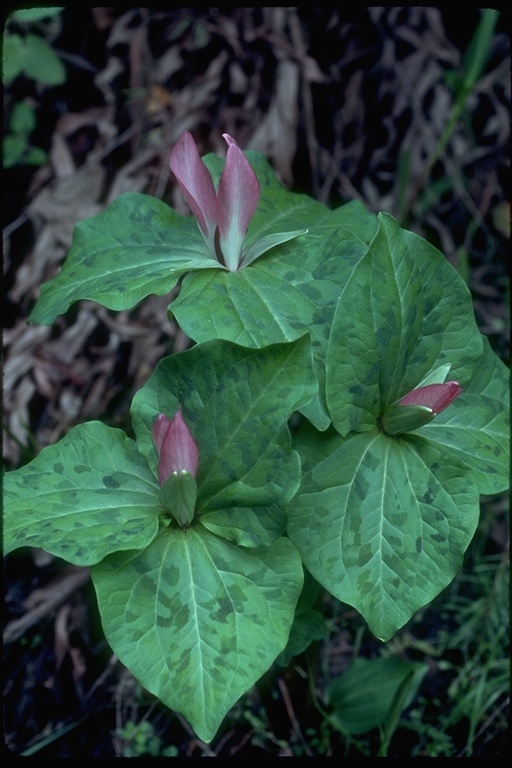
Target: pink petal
{"type": "Point", "coordinates": [175, 446]}
{"type": "Point", "coordinates": [434, 396]}
{"type": "Point", "coordinates": [196, 184]}
{"type": "Point", "coordinates": [159, 431]}
{"type": "Point", "coordinates": [238, 196]}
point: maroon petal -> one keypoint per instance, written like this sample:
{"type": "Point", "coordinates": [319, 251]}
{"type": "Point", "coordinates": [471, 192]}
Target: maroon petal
{"type": "Point", "coordinates": [238, 196]}
{"type": "Point", "coordinates": [196, 184]}
{"type": "Point", "coordinates": [434, 396]}
{"type": "Point", "coordinates": [175, 446]}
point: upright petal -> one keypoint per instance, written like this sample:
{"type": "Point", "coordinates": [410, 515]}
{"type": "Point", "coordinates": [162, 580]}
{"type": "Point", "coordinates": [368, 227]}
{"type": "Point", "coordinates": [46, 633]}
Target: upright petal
{"type": "Point", "coordinates": [175, 446]}
{"type": "Point", "coordinates": [238, 196]}
{"type": "Point", "coordinates": [197, 186]}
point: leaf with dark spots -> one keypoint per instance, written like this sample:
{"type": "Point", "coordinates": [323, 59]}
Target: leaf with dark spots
{"type": "Point", "coordinates": [215, 617]}
{"type": "Point", "coordinates": [410, 526]}
{"type": "Point", "coordinates": [108, 501]}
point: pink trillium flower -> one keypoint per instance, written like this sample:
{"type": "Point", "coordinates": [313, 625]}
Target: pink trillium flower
{"type": "Point", "coordinates": [437, 397]}
{"type": "Point", "coordinates": [175, 446]}
{"type": "Point", "coordinates": [419, 407]}
{"type": "Point", "coordinates": [222, 215]}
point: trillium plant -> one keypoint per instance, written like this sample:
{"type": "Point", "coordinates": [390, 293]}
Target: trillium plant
{"type": "Point", "coordinates": [329, 430]}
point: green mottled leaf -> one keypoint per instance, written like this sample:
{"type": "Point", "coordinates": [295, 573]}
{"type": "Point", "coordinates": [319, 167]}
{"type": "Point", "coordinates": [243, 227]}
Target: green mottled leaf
{"type": "Point", "coordinates": [291, 290]}
{"type": "Point", "coordinates": [256, 308]}
{"type": "Point", "coordinates": [476, 427]}
{"type": "Point", "coordinates": [139, 246]}
{"type": "Point", "coordinates": [236, 402]}
{"type": "Point", "coordinates": [382, 523]}
{"type": "Point", "coordinates": [403, 312]}
{"type": "Point", "coordinates": [90, 494]}
{"type": "Point", "coordinates": [135, 247]}
{"type": "Point", "coordinates": [250, 307]}
{"type": "Point", "coordinates": [215, 617]}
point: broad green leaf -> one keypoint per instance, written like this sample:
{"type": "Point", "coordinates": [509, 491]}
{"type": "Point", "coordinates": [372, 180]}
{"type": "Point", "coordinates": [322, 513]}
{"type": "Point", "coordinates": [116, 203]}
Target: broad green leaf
{"type": "Point", "coordinates": [314, 446]}
{"type": "Point", "coordinates": [90, 494]}
{"type": "Point", "coordinates": [289, 291]}
{"type": "Point", "coordinates": [403, 313]}
{"type": "Point", "coordinates": [13, 57]}
{"type": "Point", "coordinates": [137, 246]}
{"type": "Point", "coordinates": [335, 242]}
{"type": "Point", "coordinates": [251, 307]}
{"type": "Point", "coordinates": [41, 63]}
{"type": "Point", "coordinates": [198, 620]}
{"type": "Point", "coordinates": [363, 696]}
{"type": "Point", "coordinates": [236, 402]}
{"type": "Point", "coordinates": [476, 427]}
{"type": "Point", "coordinates": [382, 523]}
{"type": "Point", "coordinates": [319, 265]}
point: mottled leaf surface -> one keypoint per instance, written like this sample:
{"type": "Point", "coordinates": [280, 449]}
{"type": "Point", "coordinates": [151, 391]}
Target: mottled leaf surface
{"type": "Point", "coordinates": [403, 312]}
{"type": "Point", "coordinates": [137, 246]}
{"type": "Point", "coordinates": [236, 402]}
{"type": "Point", "coordinates": [250, 307]}
{"type": "Point", "coordinates": [215, 617]}
{"type": "Point", "coordinates": [382, 523]}
{"type": "Point", "coordinates": [476, 427]}
{"type": "Point", "coordinates": [90, 494]}
{"type": "Point", "coordinates": [292, 289]}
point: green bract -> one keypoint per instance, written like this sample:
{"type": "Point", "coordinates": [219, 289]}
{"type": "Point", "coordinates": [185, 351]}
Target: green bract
{"type": "Point", "coordinates": [199, 576]}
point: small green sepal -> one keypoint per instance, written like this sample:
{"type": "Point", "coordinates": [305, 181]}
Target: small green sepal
{"type": "Point", "coordinates": [405, 418]}
{"type": "Point", "coordinates": [178, 496]}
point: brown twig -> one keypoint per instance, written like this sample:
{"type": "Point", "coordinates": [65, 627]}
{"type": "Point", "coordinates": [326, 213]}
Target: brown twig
{"type": "Point", "coordinates": [57, 594]}
{"type": "Point", "coordinates": [291, 714]}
